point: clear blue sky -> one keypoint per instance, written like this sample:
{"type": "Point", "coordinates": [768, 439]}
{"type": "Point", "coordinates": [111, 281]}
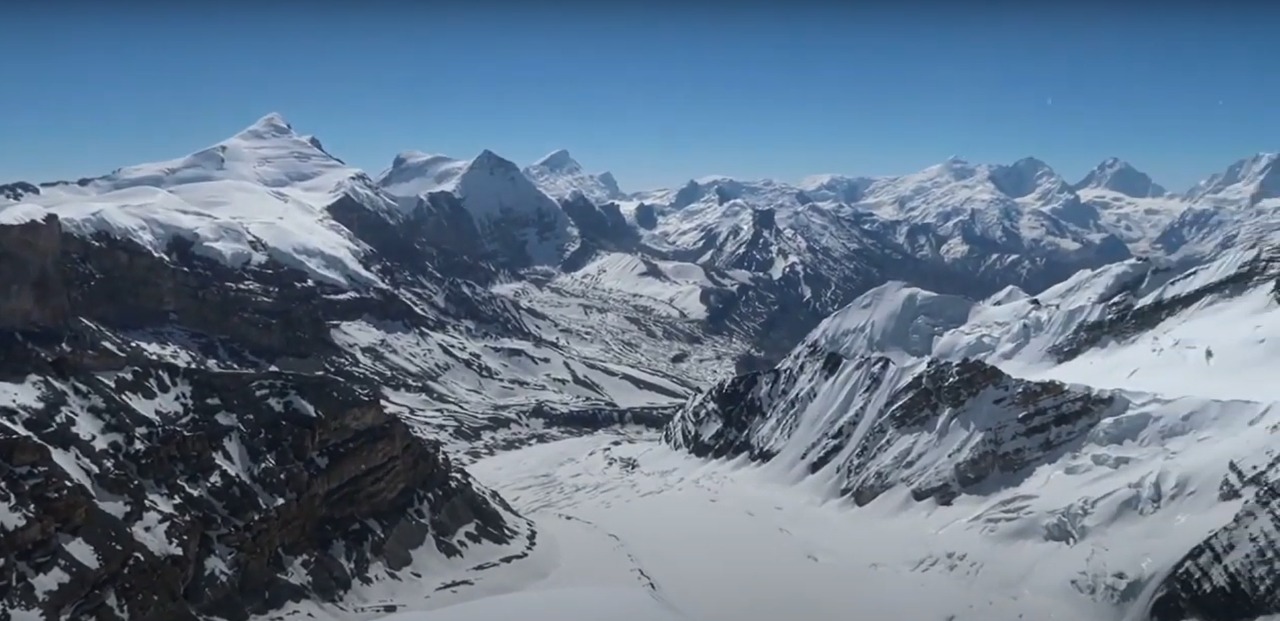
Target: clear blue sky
{"type": "Point", "coordinates": [656, 95]}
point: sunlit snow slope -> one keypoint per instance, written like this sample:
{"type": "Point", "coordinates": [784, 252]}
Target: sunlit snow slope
{"type": "Point", "coordinates": [1118, 429]}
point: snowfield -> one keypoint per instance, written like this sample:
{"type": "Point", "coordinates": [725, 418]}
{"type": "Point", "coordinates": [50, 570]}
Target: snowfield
{"type": "Point", "coordinates": [1089, 532]}
{"type": "Point", "coordinates": [622, 518]}
{"type": "Point", "coordinates": [259, 194]}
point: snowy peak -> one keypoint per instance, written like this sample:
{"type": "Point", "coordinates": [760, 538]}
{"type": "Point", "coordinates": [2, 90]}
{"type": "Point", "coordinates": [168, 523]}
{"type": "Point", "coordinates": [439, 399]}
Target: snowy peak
{"type": "Point", "coordinates": [1116, 175]}
{"type": "Point", "coordinates": [836, 188]}
{"type": "Point", "coordinates": [559, 161]}
{"type": "Point", "coordinates": [268, 154]}
{"type": "Point", "coordinates": [1026, 177]}
{"type": "Point", "coordinates": [491, 185]}
{"type": "Point", "coordinates": [1249, 180]}
{"type": "Point", "coordinates": [492, 165]}
{"type": "Point", "coordinates": [891, 318]}
{"type": "Point", "coordinates": [562, 177]}
{"type": "Point", "coordinates": [272, 125]}
{"type": "Point", "coordinates": [414, 173]}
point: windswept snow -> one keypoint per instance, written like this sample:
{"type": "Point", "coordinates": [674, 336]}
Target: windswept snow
{"type": "Point", "coordinates": [414, 173]}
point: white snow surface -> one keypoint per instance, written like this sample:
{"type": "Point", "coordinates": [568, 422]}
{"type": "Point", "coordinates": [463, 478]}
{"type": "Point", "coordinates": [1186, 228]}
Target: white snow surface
{"type": "Point", "coordinates": [414, 173]}
{"type": "Point", "coordinates": [614, 603]}
{"type": "Point", "coordinates": [1137, 221]}
{"type": "Point", "coordinates": [620, 514]}
{"type": "Point", "coordinates": [1218, 348]}
{"type": "Point", "coordinates": [561, 176]}
{"type": "Point", "coordinates": [257, 195]}
{"type": "Point", "coordinates": [668, 287]}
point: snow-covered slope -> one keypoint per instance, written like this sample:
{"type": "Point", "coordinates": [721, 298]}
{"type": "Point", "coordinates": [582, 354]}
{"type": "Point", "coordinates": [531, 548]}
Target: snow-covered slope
{"type": "Point", "coordinates": [1240, 205]}
{"type": "Point", "coordinates": [560, 176]}
{"type": "Point", "coordinates": [1136, 221]}
{"type": "Point", "coordinates": [414, 173]}
{"type": "Point", "coordinates": [1116, 175]}
{"type": "Point", "coordinates": [1129, 397]}
{"type": "Point", "coordinates": [258, 195]}
{"type": "Point", "coordinates": [1245, 182]}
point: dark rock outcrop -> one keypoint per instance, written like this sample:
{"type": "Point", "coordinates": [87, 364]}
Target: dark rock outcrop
{"type": "Point", "coordinates": [17, 190]}
{"type": "Point", "coordinates": [886, 436]}
{"type": "Point", "coordinates": [31, 290]}
{"type": "Point", "coordinates": [1234, 575]}
{"type": "Point", "coordinates": [183, 440]}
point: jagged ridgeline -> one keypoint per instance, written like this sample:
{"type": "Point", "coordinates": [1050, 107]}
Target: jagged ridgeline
{"type": "Point", "coordinates": [247, 376]}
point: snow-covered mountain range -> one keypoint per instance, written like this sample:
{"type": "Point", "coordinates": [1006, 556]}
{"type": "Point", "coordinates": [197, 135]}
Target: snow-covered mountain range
{"type": "Point", "coordinates": [270, 372]}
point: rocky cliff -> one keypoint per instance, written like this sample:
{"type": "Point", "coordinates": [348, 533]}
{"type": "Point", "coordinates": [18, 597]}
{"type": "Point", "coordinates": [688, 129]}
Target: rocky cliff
{"type": "Point", "coordinates": [938, 429]}
{"type": "Point", "coordinates": [181, 440]}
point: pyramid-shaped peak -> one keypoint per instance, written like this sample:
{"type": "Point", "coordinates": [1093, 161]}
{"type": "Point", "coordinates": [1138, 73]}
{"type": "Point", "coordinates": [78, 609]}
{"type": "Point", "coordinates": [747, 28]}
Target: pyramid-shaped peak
{"type": "Point", "coordinates": [558, 160]}
{"type": "Point", "coordinates": [490, 160]}
{"type": "Point", "coordinates": [1117, 175]}
{"type": "Point", "coordinates": [490, 164]}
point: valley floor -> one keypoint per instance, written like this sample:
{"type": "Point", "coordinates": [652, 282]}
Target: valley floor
{"type": "Point", "coordinates": [708, 541]}
{"type": "Point", "coordinates": [627, 529]}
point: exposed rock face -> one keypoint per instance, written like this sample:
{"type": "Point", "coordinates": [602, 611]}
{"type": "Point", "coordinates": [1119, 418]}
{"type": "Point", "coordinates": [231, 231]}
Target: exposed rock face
{"type": "Point", "coordinates": [881, 433]}
{"type": "Point", "coordinates": [1010, 424]}
{"type": "Point", "coordinates": [1129, 314]}
{"type": "Point", "coordinates": [604, 224]}
{"type": "Point", "coordinates": [1234, 575]}
{"type": "Point", "coordinates": [261, 472]}
{"type": "Point", "coordinates": [15, 191]}
{"type": "Point", "coordinates": [31, 293]}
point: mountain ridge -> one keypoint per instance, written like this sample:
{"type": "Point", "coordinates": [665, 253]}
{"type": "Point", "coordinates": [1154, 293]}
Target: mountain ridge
{"type": "Point", "coordinates": [982, 351]}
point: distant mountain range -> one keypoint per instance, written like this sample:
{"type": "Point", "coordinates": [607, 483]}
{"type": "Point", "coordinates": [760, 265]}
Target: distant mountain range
{"type": "Point", "coordinates": [259, 373]}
